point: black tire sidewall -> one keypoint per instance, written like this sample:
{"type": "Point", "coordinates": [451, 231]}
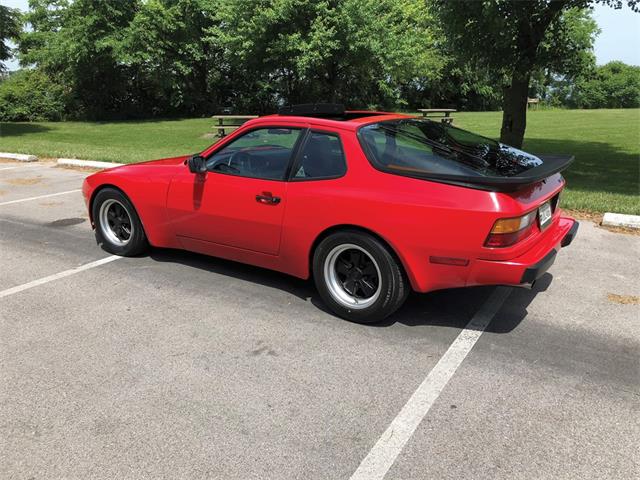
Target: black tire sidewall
{"type": "Point", "coordinates": [393, 284]}
{"type": "Point", "coordinates": [138, 241]}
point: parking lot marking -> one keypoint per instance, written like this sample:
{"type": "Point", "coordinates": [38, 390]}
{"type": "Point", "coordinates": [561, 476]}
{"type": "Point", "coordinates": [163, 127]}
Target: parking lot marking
{"type": "Point", "coordinates": [38, 197]}
{"type": "Point", "coordinates": [18, 166]}
{"type": "Point", "coordinates": [384, 453]}
{"type": "Point", "coordinates": [56, 276]}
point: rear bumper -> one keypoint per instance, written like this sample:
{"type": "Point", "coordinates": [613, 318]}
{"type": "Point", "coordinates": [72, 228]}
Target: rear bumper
{"type": "Point", "coordinates": [533, 273]}
{"type": "Point", "coordinates": [568, 238]}
{"type": "Point", "coordinates": [528, 267]}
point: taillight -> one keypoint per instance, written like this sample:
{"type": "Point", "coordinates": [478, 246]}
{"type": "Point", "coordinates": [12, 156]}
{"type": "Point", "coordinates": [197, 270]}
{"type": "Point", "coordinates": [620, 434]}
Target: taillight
{"type": "Point", "coordinates": [509, 231]}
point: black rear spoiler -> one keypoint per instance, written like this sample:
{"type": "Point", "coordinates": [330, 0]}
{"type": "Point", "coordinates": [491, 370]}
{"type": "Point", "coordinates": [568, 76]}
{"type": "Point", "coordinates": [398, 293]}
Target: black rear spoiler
{"type": "Point", "coordinates": [551, 164]}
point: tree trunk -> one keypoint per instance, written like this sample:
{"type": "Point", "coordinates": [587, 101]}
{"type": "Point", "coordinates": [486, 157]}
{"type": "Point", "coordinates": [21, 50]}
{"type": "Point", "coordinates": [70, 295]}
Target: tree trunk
{"type": "Point", "coordinates": [514, 110]}
{"type": "Point", "coordinates": [514, 99]}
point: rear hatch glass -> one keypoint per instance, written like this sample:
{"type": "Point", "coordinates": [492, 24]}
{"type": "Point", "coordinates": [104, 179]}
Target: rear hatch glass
{"type": "Point", "coordinates": [433, 150]}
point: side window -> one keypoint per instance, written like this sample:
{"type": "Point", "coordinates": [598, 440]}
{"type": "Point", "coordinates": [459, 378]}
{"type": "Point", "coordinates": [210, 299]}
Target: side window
{"type": "Point", "coordinates": [321, 157]}
{"type": "Point", "coordinates": [262, 153]}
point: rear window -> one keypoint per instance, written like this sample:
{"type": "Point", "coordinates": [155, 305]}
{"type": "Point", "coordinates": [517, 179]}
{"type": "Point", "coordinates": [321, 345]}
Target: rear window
{"type": "Point", "coordinates": [423, 147]}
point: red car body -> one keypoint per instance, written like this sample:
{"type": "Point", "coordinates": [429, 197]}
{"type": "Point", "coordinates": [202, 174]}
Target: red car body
{"type": "Point", "coordinates": [437, 230]}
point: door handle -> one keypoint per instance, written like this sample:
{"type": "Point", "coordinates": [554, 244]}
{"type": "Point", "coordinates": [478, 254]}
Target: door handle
{"type": "Point", "coordinates": [267, 199]}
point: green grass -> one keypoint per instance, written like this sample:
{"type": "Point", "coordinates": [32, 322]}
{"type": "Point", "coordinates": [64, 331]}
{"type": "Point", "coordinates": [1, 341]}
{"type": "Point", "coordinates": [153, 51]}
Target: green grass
{"type": "Point", "coordinates": [125, 142]}
{"type": "Point", "coordinates": [606, 144]}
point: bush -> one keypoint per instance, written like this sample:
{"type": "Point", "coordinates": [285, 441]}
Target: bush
{"type": "Point", "coordinates": [614, 85]}
{"type": "Point", "coordinates": [29, 96]}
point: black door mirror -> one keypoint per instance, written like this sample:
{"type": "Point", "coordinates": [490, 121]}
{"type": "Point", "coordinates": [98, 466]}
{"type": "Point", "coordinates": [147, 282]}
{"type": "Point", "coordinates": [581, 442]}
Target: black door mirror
{"type": "Point", "coordinates": [197, 164]}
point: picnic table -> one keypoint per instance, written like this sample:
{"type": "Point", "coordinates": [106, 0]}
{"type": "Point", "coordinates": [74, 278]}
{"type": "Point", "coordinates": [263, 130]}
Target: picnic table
{"type": "Point", "coordinates": [442, 113]}
{"type": "Point", "coordinates": [236, 122]}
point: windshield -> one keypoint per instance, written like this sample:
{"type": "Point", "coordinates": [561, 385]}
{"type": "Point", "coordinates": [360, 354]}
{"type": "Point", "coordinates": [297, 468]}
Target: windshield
{"type": "Point", "coordinates": [423, 147]}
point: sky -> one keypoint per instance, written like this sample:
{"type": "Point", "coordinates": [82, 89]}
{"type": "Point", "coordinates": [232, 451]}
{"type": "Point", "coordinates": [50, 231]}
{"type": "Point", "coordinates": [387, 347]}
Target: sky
{"type": "Point", "coordinates": [618, 40]}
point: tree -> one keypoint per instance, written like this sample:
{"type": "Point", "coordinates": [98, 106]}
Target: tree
{"type": "Point", "coordinates": [568, 49]}
{"type": "Point", "coordinates": [359, 52]}
{"type": "Point", "coordinates": [75, 43]}
{"type": "Point", "coordinates": [29, 96]}
{"type": "Point", "coordinates": [516, 38]}
{"type": "Point", "coordinates": [614, 85]}
{"type": "Point", "coordinates": [9, 29]}
{"type": "Point", "coordinates": [174, 61]}
{"type": "Point", "coordinates": [458, 86]}
{"type": "Point", "coordinates": [157, 57]}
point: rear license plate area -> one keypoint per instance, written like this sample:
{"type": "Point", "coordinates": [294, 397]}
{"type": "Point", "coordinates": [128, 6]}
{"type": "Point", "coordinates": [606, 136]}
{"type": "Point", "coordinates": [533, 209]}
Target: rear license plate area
{"type": "Point", "coordinates": [544, 215]}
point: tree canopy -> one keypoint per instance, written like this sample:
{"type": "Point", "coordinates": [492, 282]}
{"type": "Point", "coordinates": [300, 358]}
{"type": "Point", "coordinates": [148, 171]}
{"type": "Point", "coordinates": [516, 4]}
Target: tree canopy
{"type": "Point", "coordinates": [358, 51]}
{"type": "Point", "coordinates": [516, 38]}
{"type": "Point", "coordinates": [9, 29]}
{"type": "Point", "coordinates": [193, 56]}
{"type": "Point", "coordinates": [614, 85]}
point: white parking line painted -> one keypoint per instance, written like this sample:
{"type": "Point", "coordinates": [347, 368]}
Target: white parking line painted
{"type": "Point", "coordinates": [384, 453]}
{"type": "Point", "coordinates": [38, 197]}
{"type": "Point", "coordinates": [19, 166]}
{"type": "Point", "coordinates": [56, 276]}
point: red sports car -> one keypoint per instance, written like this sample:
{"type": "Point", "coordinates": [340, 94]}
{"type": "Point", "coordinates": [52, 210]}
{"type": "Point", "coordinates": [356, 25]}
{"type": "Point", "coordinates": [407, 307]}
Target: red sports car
{"type": "Point", "coordinates": [371, 204]}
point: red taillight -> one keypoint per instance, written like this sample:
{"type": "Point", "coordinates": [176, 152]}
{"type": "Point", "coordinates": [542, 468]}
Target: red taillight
{"type": "Point", "coordinates": [509, 231]}
{"type": "Point", "coordinates": [497, 240]}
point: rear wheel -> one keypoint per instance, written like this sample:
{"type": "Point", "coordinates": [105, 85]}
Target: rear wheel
{"type": "Point", "coordinates": [358, 277]}
{"type": "Point", "coordinates": [118, 227]}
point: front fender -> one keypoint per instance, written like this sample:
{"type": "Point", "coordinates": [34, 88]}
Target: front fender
{"type": "Point", "coordinates": [147, 188]}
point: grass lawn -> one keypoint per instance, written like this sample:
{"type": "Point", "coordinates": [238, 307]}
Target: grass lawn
{"type": "Point", "coordinates": [125, 142]}
{"type": "Point", "coordinates": [606, 144]}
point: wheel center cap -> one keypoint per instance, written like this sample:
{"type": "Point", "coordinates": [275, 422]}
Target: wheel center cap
{"type": "Point", "coordinates": [356, 274]}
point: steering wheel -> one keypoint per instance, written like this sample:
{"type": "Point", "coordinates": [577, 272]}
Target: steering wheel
{"type": "Point", "coordinates": [241, 161]}
{"type": "Point", "coordinates": [223, 167]}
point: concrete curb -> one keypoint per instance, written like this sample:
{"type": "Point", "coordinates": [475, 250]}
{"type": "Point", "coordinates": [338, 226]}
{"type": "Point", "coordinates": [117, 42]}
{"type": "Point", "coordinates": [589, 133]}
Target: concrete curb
{"type": "Point", "coordinates": [621, 220]}
{"type": "Point", "coordinates": [20, 157]}
{"type": "Point", "coordinates": [74, 162]}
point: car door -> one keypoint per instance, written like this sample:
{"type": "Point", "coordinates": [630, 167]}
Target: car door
{"type": "Point", "coordinates": [239, 202]}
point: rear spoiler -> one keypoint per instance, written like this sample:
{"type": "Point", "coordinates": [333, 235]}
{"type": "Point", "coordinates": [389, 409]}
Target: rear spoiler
{"type": "Point", "coordinates": [551, 164]}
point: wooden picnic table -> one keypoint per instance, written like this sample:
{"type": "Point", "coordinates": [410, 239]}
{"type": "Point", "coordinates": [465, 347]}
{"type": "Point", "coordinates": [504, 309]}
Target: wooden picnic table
{"type": "Point", "coordinates": [236, 122]}
{"type": "Point", "coordinates": [443, 113]}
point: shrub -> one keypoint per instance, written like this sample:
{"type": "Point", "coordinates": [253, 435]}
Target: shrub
{"type": "Point", "coordinates": [29, 96]}
{"type": "Point", "coordinates": [614, 85]}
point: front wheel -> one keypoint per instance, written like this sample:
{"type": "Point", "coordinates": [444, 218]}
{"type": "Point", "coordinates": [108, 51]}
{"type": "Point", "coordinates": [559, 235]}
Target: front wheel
{"type": "Point", "coordinates": [118, 227]}
{"type": "Point", "coordinates": [358, 277]}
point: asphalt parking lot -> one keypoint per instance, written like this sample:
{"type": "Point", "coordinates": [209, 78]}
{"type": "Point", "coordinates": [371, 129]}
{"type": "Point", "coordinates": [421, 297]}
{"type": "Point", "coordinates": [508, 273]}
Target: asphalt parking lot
{"type": "Point", "coordinates": [175, 365]}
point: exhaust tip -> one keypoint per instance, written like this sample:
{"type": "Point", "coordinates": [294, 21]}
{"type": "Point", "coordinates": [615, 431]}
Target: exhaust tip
{"type": "Point", "coordinates": [528, 286]}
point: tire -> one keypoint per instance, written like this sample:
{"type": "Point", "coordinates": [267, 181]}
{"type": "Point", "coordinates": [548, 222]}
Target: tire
{"type": "Point", "coordinates": [118, 227]}
{"type": "Point", "coordinates": [348, 258]}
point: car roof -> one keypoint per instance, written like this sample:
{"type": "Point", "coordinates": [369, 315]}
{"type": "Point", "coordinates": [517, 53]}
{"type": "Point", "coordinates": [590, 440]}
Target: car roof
{"type": "Point", "coordinates": [354, 119]}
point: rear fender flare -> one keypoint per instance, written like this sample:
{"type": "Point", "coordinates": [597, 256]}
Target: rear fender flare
{"type": "Point", "coordinates": [336, 228]}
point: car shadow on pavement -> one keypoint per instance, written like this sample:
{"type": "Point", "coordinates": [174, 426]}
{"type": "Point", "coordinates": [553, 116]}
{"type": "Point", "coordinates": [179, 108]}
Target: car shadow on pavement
{"type": "Point", "coordinates": [456, 307]}
{"type": "Point", "coordinates": [445, 308]}
{"type": "Point", "coordinates": [303, 289]}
